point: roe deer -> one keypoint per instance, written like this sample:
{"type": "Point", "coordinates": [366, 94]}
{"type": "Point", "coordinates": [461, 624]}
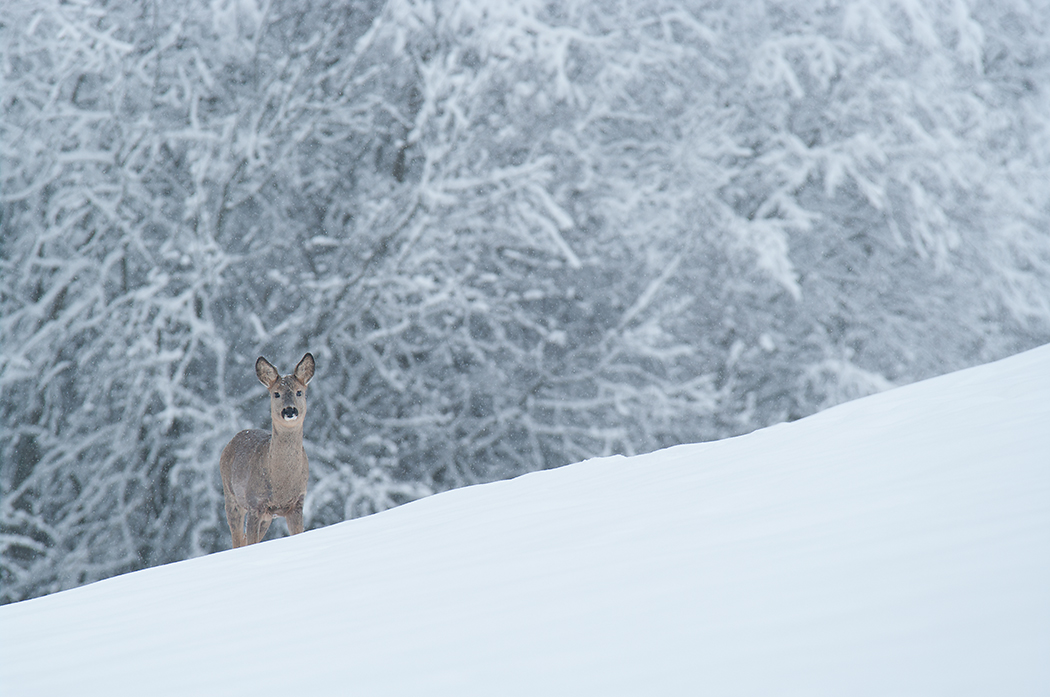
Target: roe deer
{"type": "Point", "coordinates": [264, 474]}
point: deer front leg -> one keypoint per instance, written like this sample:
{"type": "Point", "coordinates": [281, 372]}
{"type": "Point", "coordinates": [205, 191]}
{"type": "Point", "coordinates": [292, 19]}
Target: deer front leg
{"type": "Point", "coordinates": [235, 519]}
{"type": "Point", "coordinates": [258, 524]}
{"type": "Point", "coordinates": [294, 517]}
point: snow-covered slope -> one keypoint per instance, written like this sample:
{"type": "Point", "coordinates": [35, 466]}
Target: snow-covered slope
{"type": "Point", "coordinates": [896, 545]}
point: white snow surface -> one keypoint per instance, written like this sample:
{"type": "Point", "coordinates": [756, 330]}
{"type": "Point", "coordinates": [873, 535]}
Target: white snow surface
{"type": "Point", "coordinates": [895, 545]}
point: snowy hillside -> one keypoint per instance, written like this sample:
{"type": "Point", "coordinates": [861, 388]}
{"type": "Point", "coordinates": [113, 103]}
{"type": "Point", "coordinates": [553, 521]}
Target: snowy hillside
{"type": "Point", "coordinates": [895, 545]}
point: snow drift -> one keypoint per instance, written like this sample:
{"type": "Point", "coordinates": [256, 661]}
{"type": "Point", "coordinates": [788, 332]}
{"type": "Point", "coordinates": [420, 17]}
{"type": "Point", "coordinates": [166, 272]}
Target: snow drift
{"type": "Point", "coordinates": [899, 544]}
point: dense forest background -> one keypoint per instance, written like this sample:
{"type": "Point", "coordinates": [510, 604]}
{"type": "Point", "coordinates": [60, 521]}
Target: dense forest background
{"type": "Point", "coordinates": [514, 234]}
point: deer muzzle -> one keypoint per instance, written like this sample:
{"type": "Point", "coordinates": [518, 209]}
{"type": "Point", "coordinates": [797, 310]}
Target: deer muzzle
{"type": "Point", "coordinates": [290, 413]}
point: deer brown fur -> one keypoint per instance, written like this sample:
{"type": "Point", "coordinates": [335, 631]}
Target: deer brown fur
{"type": "Point", "coordinates": [264, 474]}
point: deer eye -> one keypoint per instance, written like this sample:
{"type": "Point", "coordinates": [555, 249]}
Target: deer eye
{"type": "Point", "coordinates": [277, 395]}
{"type": "Point", "coordinates": [298, 393]}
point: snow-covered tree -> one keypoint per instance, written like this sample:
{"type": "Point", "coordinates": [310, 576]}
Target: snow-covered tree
{"type": "Point", "coordinates": [513, 234]}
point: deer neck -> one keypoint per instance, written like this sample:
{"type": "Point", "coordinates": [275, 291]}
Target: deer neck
{"type": "Point", "coordinates": [286, 447]}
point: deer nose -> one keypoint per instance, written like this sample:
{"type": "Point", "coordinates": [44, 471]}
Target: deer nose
{"type": "Point", "coordinates": [290, 413]}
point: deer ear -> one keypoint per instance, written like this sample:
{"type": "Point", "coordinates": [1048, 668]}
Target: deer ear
{"type": "Point", "coordinates": [305, 370]}
{"type": "Point", "coordinates": [268, 375]}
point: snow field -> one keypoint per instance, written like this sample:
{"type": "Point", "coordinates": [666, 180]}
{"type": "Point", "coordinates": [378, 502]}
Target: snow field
{"type": "Point", "coordinates": [895, 545]}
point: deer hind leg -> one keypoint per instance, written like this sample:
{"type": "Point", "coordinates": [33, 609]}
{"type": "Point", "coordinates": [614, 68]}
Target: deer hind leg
{"type": "Point", "coordinates": [258, 524]}
{"type": "Point", "coordinates": [235, 518]}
